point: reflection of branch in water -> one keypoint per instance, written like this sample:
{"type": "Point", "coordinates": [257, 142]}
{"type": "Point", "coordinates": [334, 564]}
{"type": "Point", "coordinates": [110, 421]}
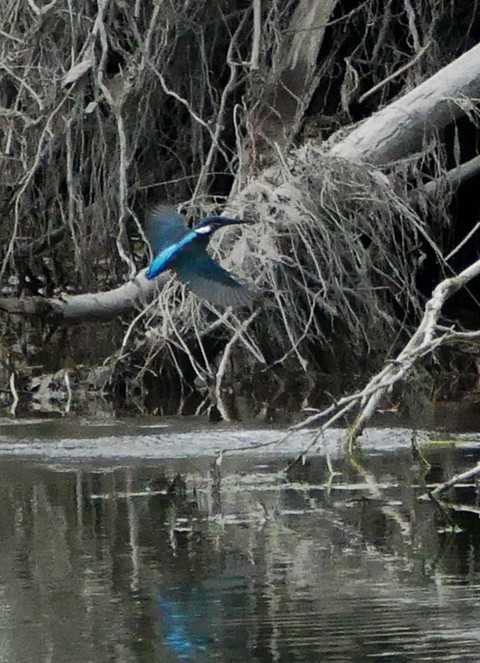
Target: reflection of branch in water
{"type": "Point", "coordinates": [133, 537]}
{"type": "Point", "coordinates": [215, 489]}
{"type": "Point", "coordinates": [458, 478]}
{"type": "Point", "coordinates": [464, 508]}
{"type": "Point", "coordinates": [377, 492]}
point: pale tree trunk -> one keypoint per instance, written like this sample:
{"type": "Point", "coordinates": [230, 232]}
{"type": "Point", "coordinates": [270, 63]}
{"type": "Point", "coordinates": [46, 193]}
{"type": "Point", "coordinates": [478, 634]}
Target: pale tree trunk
{"type": "Point", "coordinates": [294, 76]}
{"type": "Point", "coordinates": [279, 100]}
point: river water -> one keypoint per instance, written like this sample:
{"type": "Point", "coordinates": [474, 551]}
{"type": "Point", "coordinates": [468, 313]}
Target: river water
{"type": "Point", "coordinates": [133, 541]}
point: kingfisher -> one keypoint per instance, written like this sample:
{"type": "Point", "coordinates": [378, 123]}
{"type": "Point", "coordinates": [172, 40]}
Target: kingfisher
{"type": "Point", "coordinates": [182, 249]}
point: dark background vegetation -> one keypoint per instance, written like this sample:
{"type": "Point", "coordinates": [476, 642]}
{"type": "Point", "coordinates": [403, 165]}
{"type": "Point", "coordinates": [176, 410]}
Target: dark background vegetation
{"type": "Point", "coordinates": [109, 108]}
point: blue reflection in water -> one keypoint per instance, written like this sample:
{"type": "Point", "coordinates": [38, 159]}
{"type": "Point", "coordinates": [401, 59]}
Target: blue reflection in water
{"type": "Point", "coordinates": [187, 628]}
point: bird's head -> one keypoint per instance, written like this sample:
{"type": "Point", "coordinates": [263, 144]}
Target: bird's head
{"type": "Point", "coordinates": [212, 223]}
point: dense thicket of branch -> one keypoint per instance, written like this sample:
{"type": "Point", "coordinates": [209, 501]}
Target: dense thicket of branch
{"type": "Point", "coordinates": [431, 105]}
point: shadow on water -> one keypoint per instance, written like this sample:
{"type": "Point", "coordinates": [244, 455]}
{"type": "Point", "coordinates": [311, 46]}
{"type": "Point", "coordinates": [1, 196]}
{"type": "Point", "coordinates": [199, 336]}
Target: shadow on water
{"type": "Point", "coordinates": [180, 559]}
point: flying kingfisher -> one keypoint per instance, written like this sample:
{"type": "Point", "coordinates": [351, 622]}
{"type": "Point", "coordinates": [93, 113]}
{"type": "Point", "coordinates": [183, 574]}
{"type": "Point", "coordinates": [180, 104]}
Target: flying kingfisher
{"type": "Point", "coordinates": [184, 250]}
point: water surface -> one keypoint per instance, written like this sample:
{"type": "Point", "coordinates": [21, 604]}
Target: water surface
{"type": "Point", "coordinates": [238, 563]}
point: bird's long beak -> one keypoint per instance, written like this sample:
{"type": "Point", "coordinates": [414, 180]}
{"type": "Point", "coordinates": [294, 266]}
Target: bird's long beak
{"type": "Point", "coordinates": [227, 221]}
{"type": "Point", "coordinates": [232, 222]}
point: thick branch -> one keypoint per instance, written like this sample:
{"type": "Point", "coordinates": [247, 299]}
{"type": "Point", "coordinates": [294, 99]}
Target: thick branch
{"type": "Point", "coordinates": [72, 309]}
{"type": "Point", "coordinates": [454, 177]}
{"type": "Point", "coordinates": [403, 127]}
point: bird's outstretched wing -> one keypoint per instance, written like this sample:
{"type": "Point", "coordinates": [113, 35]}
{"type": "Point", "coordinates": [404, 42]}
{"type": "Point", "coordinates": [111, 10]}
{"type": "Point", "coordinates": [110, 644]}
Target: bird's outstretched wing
{"type": "Point", "coordinates": [167, 234]}
{"type": "Point", "coordinates": [209, 281]}
{"type": "Point", "coordinates": [164, 226]}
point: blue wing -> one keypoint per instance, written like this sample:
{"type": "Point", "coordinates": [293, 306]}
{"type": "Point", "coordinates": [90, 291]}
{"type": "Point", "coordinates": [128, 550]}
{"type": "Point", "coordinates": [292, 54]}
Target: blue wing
{"type": "Point", "coordinates": [208, 280]}
{"type": "Point", "coordinates": [172, 242]}
{"type": "Point", "coordinates": [163, 227]}
{"type": "Point", "coordinates": [187, 622]}
{"type": "Point", "coordinates": [167, 234]}
{"type": "Point", "coordinates": [169, 255]}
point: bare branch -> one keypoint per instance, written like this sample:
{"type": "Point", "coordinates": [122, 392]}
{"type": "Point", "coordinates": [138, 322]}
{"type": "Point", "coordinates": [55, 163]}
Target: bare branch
{"type": "Point", "coordinates": [257, 34]}
{"type": "Point", "coordinates": [76, 72]}
{"type": "Point", "coordinates": [458, 478]}
{"type": "Point", "coordinates": [454, 177]}
{"type": "Point", "coordinates": [395, 74]}
{"type": "Point", "coordinates": [423, 342]}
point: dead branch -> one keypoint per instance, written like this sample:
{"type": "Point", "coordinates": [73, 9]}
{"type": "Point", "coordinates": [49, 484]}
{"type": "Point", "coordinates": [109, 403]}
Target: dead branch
{"type": "Point", "coordinates": [256, 35]}
{"type": "Point", "coordinates": [453, 178]}
{"type": "Point", "coordinates": [423, 342]}
{"type": "Point", "coordinates": [40, 245]}
{"type": "Point", "coordinates": [395, 74]}
{"type": "Point", "coordinates": [88, 307]}
{"type": "Point", "coordinates": [403, 127]}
